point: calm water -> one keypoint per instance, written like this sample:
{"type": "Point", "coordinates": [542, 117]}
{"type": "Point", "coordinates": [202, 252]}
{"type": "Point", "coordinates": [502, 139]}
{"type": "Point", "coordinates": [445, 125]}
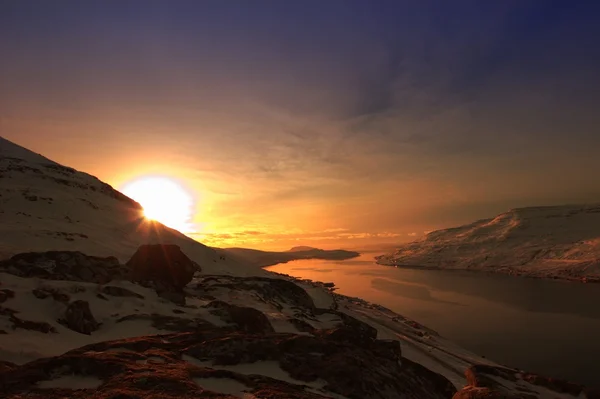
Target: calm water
{"type": "Point", "coordinates": [549, 327]}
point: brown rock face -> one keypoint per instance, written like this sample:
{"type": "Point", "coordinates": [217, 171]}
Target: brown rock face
{"type": "Point", "coordinates": [163, 264]}
{"type": "Point", "coordinates": [79, 317]}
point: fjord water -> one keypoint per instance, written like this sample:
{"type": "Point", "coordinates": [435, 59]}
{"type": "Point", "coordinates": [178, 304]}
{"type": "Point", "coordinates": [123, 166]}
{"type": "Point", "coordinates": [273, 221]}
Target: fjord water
{"type": "Point", "coordinates": [544, 326]}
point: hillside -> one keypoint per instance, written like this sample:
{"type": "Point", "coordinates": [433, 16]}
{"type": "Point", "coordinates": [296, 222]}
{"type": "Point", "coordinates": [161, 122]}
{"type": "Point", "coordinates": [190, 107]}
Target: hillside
{"type": "Point", "coordinates": [46, 206]}
{"type": "Point", "coordinates": [552, 241]}
{"type": "Point", "coordinates": [268, 258]}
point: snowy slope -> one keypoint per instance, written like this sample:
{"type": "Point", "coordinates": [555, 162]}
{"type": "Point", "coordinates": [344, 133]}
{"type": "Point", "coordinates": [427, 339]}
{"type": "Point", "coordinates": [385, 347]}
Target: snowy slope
{"type": "Point", "coordinates": [553, 241]}
{"type": "Point", "coordinates": [46, 206]}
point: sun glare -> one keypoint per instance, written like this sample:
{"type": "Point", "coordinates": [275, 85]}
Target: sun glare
{"type": "Point", "coordinates": [163, 200]}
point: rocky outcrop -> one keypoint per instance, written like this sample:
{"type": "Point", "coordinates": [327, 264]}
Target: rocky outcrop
{"type": "Point", "coordinates": [163, 264]}
{"type": "Point", "coordinates": [492, 382]}
{"type": "Point", "coordinates": [64, 265]}
{"type": "Point", "coordinates": [272, 290]}
{"type": "Point", "coordinates": [79, 317]}
{"type": "Point", "coordinates": [187, 364]}
{"type": "Point", "coordinates": [245, 319]}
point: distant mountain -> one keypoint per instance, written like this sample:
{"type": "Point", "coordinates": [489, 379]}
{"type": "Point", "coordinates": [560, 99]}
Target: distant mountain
{"type": "Point", "coordinates": [46, 206]}
{"type": "Point", "coordinates": [302, 248]}
{"type": "Point", "coordinates": [550, 241]}
{"type": "Point", "coordinates": [268, 258]}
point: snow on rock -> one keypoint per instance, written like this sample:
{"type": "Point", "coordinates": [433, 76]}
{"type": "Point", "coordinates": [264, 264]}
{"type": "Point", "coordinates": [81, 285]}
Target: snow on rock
{"type": "Point", "coordinates": [551, 241]}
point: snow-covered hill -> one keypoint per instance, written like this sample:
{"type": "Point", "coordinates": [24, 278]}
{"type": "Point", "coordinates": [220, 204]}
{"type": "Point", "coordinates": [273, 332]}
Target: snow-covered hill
{"type": "Point", "coordinates": [269, 258]}
{"type": "Point", "coordinates": [46, 206]}
{"type": "Point", "coordinates": [549, 241]}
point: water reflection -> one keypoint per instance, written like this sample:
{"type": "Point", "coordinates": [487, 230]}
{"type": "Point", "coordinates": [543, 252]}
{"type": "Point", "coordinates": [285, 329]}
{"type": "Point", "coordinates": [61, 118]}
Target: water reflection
{"type": "Point", "coordinates": [539, 325]}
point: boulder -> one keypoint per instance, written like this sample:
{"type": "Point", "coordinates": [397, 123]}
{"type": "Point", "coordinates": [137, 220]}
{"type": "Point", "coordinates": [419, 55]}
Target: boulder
{"type": "Point", "coordinates": [79, 317]}
{"type": "Point", "coordinates": [248, 320]}
{"type": "Point", "coordinates": [165, 264]}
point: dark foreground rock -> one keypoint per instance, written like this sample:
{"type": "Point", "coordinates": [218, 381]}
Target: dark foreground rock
{"type": "Point", "coordinates": [79, 317]}
{"type": "Point", "coordinates": [186, 365]}
{"type": "Point", "coordinates": [246, 319]}
{"type": "Point", "coordinates": [162, 264]}
{"type": "Point", "coordinates": [64, 265]}
{"type": "Point", "coordinates": [491, 382]}
{"type": "Point", "coordinates": [275, 291]}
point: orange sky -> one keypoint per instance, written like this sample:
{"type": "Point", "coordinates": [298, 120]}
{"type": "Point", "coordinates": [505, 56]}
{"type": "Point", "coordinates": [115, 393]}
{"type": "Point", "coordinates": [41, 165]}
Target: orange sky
{"type": "Point", "coordinates": [312, 124]}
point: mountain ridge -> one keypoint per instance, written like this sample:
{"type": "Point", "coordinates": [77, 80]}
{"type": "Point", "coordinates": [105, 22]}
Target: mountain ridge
{"type": "Point", "coordinates": [561, 241]}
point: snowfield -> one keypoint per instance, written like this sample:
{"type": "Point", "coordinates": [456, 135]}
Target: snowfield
{"type": "Point", "coordinates": [551, 241]}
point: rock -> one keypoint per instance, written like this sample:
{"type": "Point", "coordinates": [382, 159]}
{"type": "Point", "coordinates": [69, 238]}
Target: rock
{"type": "Point", "coordinates": [302, 325]}
{"type": "Point", "coordinates": [367, 332]}
{"type": "Point", "coordinates": [119, 291]}
{"type": "Point", "coordinates": [169, 323]}
{"type": "Point", "coordinates": [57, 295]}
{"type": "Point", "coordinates": [42, 327]}
{"type": "Point", "coordinates": [6, 294]}
{"type": "Point", "coordinates": [493, 382]}
{"type": "Point", "coordinates": [79, 317]}
{"type": "Point", "coordinates": [64, 265]}
{"type": "Point", "coordinates": [471, 392]}
{"type": "Point", "coordinates": [5, 366]}
{"type": "Point", "coordinates": [177, 297]}
{"type": "Point", "coordinates": [162, 263]}
{"type": "Point", "coordinates": [341, 368]}
{"type": "Point", "coordinates": [246, 319]}
{"type": "Point", "coordinates": [273, 290]}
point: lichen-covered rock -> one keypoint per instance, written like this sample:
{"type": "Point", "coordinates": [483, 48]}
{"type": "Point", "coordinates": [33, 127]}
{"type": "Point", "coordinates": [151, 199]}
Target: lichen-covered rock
{"type": "Point", "coordinates": [79, 317]}
{"type": "Point", "coordinates": [164, 264]}
{"type": "Point", "coordinates": [183, 365]}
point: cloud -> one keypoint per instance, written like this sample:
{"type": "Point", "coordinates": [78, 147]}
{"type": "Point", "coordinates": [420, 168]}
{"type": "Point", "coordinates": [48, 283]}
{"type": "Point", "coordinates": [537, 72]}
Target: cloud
{"type": "Point", "coordinates": [412, 234]}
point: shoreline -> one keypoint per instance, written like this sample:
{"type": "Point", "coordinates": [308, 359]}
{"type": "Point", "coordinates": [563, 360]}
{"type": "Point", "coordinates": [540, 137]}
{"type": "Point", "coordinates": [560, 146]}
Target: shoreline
{"type": "Point", "coordinates": [445, 355]}
{"type": "Point", "coordinates": [503, 272]}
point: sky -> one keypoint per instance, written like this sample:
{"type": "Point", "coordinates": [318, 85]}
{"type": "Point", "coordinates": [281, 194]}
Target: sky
{"type": "Point", "coordinates": [325, 123]}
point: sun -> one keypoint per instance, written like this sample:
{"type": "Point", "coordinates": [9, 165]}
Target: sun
{"type": "Point", "coordinates": [163, 200]}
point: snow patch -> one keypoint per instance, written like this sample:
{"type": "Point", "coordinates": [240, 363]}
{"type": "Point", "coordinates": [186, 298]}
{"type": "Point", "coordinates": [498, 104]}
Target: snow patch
{"type": "Point", "coordinates": [227, 386]}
